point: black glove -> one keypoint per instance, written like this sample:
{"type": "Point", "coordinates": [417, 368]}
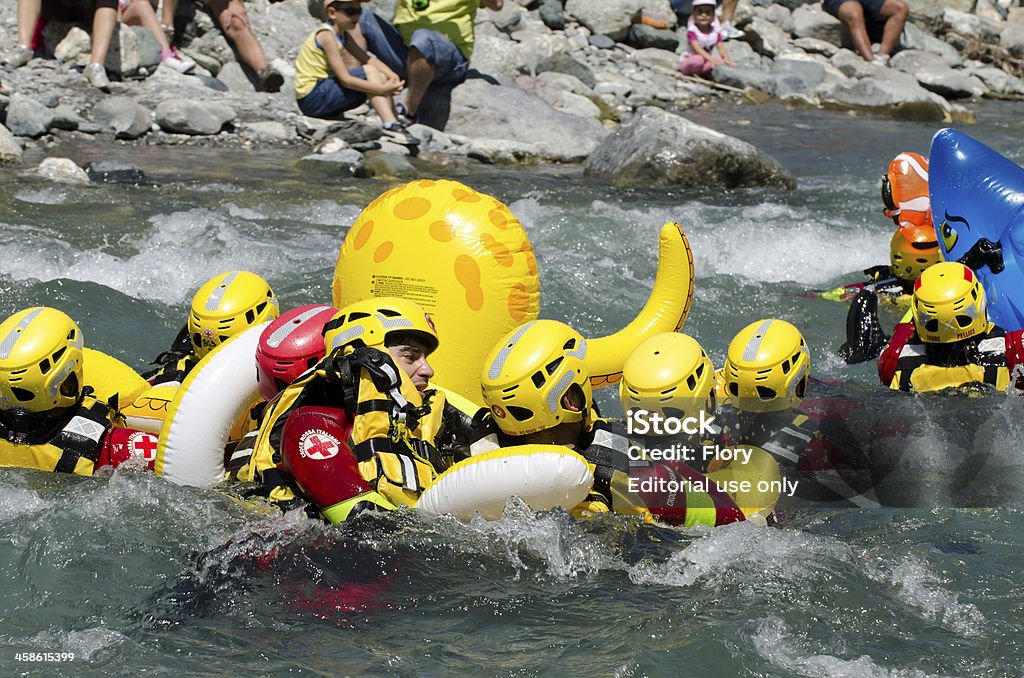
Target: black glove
{"type": "Point", "coordinates": [865, 337]}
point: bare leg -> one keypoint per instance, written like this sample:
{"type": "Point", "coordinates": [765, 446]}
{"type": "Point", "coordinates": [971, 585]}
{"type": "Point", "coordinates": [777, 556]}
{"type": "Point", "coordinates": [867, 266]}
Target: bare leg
{"type": "Point", "coordinates": [28, 15]}
{"type": "Point", "coordinates": [729, 10]}
{"type": "Point", "coordinates": [383, 104]}
{"type": "Point", "coordinates": [852, 14]}
{"type": "Point", "coordinates": [895, 14]}
{"type": "Point", "coordinates": [140, 13]}
{"type": "Point", "coordinates": [104, 23]}
{"type": "Point", "coordinates": [235, 22]}
{"type": "Point", "coordinates": [421, 74]}
{"type": "Point", "coordinates": [167, 12]}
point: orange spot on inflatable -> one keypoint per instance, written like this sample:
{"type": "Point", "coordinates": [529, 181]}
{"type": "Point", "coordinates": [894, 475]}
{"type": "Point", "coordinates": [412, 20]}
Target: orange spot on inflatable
{"type": "Point", "coordinates": [467, 272]}
{"type": "Point", "coordinates": [519, 303]}
{"type": "Point", "coordinates": [501, 253]}
{"type": "Point", "coordinates": [383, 251]}
{"type": "Point", "coordinates": [363, 234]}
{"type": "Point", "coordinates": [441, 231]}
{"type": "Point", "coordinates": [499, 217]}
{"type": "Point", "coordinates": [412, 208]}
{"type": "Point", "coordinates": [462, 195]}
{"type": "Point", "coordinates": [531, 260]}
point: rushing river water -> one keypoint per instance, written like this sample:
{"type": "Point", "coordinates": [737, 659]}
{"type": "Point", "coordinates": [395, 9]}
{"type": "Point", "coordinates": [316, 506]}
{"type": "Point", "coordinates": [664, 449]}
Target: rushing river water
{"type": "Point", "coordinates": [133, 575]}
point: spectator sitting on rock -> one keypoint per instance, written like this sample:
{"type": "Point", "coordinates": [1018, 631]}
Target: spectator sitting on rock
{"type": "Point", "coordinates": [431, 46]}
{"type": "Point", "coordinates": [141, 13]}
{"type": "Point", "coordinates": [870, 21]}
{"type": "Point", "coordinates": [103, 14]}
{"type": "Point", "coordinates": [232, 18]}
{"type": "Point", "coordinates": [703, 34]}
{"type": "Point", "coordinates": [334, 73]}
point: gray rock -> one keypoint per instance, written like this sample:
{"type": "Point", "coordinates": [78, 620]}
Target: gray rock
{"type": "Point", "coordinates": [430, 139]}
{"type": "Point", "coordinates": [811, 21]}
{"type": "Point", "coordinates": [113, 172]}
{"type": "Point", "coordinates": [969, 25]}
{"type": "Point", "coordinates": [853, 66]}
{"type": "Point", "coordinates": [641, 37]}
{"type": "Point", "coordinates": [67, 118]}
{"type": "Point", "coordinates": [744, 77]}
{"type": "Point", "coordinates": [608, 17]}
{"type": "Point", "coordinates": [127, 119]}
{"type": "Point", "coordinates": [566, 82]}
{"type": "Point", "coordinates": [391, 165]}
{"type": "Point", "coordinates": [63, 171]}
{"type": "Point", "coordinates": [930, 9]}
{"type": "Point", "coordinates": [816, 46]}
{"type": "Point", "coordinates": [10, 150]}
{"type": "Point", "coordinates": [575, 104]}
{"type": "Point", "coordinates": [1012, 38]}
{"type": "Point", "coordinates": [506, 20]}
{"type": "Point", "coordinates": [27, 117]}
{"type": "Point", "coordinates": [499, 57]}
{"type": "Point", "coordinates": [999, 83]}
{"type": "Point", "coordinates": [915, 38]}
{"type": "Point", "coordinates": [148, 49]}
{"type": "Point", "coordinates": [778, 15]}
{"type": "Point", "coordinates": [601, 41]}
{"type": "Point", "coordinates": [348, 162]}
{"type": "Point", "coordinates": [658, 58]}
{"type": "Point", "coordinates": [185, 116]}
{"type": "Point", "coordinates": [270, 130]}
{"type": "Point", "coordinates": [563, 63]}
{"type": "Point", "coordinates": [657, 148]}
{"type": "Point", "coordinates": [796, 77]}
{"type": "Point", "coordinates": [989, 11]}
{"type": "Point", "coordinates": [552, 15]}
{"type": "Point", "coordinates": [75, 45]}
{"type": "Point", "coordinates": [897, 94]}
{"type": "Point", "coordinates": [351, 130]}
{"type": "Point", "coordinates": [744, 55]}
{"type": "Point", "coordinates": [484, 111]}
{"type": "Point", "coordinates": [49, 100]}
{"type": "Point", "coordinates": [234, 77]}
{"type": "Point", "coordinates": [934, 75]}
{"type": "Point", "coordinates": [766, 38]}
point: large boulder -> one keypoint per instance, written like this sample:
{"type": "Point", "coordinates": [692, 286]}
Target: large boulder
{"type": "Point", "coordinates": [889, 92]}
{"type": "Point", "coordinates": [126, 118]}
{"type": "Point", "coordinates": [609, 17]}
{"type": "Point", "coordinates": [811, 21]}
{"type": "Point", "coordinates": [26, 117]}
{"type": "Point", "coordinates": [184, 116]}
{"type": "Point", "coordinates": [658, 148]}
{"type": "Point", "coordinates": [934, 75]}
{"type": "Point", "coordinates": [481, 110]}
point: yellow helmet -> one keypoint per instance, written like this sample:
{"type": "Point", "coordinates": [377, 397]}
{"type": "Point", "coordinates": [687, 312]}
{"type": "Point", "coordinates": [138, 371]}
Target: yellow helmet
{"type": "Point", "coordinates": [767, 367]}
{"type": "Point", "coordinates": [369, 322]}
{"type": "Point", "coordinates": [949, 304]}
{"type": "Point", "coordinates": [912, 249]}
{"type": "Point", "coordinates": [669, 374]}
{"type": "Point", "coordinates": [227, 305]}
{"type": "Point", "coordinates": [528, 373]}
{"type": "Point", "coordinates": [40, 360]}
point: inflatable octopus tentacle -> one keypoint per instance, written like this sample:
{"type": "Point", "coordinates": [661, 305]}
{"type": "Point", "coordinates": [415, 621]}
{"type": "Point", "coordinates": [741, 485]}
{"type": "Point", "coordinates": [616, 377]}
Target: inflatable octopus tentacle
{"type": "Point", "coordinates": [218, 390]}
{"type": "Point", "coordinates": [665, 311]}
{"type": "Point", "coordinates": [110, 377]}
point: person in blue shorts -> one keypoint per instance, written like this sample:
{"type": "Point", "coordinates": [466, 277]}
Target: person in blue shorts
{"type": "Point", "coordinates": [429, 43]}
{"type": "Point", "coordinates": [869, 21]}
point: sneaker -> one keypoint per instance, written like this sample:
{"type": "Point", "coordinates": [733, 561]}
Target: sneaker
{"type": "Point", "coordinates": [397, 132]}
{"type": "Point", "coordinates": [271, 79]}
{"type": "Point", "coordinates": [177, 61]}
{"type": "Point", "coordinates": [402, 113]}
{"type": "Point", "coordinates": [730, 32]}
{"type": "Point", "coordinates": [19, 56]}
{"type": "Point", "coordinates": [97, 77]}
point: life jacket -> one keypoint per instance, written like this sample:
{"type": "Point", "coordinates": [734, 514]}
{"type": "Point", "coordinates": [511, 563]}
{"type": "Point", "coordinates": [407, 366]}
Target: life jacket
{"type": "Point", "coordinates": [908, 364]}
{"type": "Point", "coordinates": [74, 448]}
{"type": "Point", "coordinates": [393, 429]}
{"type": "Point", "coordinates": [173, 371]}
{"type": "Point", "coordinates": [824, 469]}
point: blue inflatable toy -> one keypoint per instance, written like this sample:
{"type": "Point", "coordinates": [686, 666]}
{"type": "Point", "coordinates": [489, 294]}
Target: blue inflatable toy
{"type": "Point", "coordinates": [977, 198]}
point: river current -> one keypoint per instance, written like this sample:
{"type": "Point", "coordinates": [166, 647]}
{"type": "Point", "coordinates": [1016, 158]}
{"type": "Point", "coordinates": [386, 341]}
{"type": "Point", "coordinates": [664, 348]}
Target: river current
{"type": "Point", "coordinates": [133, 575]}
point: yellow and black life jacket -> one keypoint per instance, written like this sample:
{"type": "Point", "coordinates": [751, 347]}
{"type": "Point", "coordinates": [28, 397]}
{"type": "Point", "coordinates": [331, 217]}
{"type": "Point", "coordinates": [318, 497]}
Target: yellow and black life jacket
{"type": "Point", "coordinates": [608, 453]}
{"type": "Point", "coordinates": [393, 429]}
{"type": "Point", "coordinates": [172, 372]}
{"type": "Point", "coordinates": [982, 361]}
{"type": "Point", "coordinates": [72, 448]}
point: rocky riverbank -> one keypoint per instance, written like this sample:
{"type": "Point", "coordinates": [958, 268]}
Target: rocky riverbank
{"type": "Point", "coordinates": [590, 81]}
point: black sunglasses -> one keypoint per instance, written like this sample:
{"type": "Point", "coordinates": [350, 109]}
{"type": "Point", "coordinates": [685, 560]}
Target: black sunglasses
{"type": "Point", "coordinates": [350, 11]}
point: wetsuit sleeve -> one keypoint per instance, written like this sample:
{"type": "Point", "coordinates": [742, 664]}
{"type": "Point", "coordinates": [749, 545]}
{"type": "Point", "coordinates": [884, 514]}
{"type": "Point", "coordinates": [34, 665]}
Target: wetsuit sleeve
{"type": "Point", "coordinates": [888, 361]}
{"type": "Point", "coordinates": [865, 337]}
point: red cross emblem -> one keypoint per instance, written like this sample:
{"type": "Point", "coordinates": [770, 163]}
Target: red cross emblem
{"type": "Point", "coordinates": [317, 444]}
{"type": "Point", "coordinates": [142, 444]}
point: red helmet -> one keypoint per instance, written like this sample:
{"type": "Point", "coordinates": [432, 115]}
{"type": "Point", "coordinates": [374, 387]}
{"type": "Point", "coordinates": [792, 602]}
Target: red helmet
{"type": "Point", "coordinates": [291, 345]}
